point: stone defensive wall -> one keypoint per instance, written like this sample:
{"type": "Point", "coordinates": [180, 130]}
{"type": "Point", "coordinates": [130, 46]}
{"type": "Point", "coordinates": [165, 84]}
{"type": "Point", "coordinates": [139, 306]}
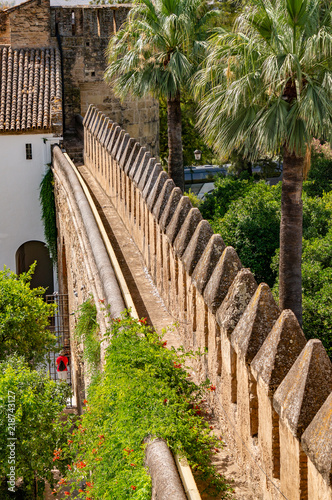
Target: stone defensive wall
{"type": "Point", "coordinates": [84, 268]}
{"type": "Point", "coordinates": [273, 388]}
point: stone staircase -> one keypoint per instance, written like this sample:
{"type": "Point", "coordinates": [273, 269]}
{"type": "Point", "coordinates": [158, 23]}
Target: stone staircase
{"type": "Point", "coordinates": [73, 145]}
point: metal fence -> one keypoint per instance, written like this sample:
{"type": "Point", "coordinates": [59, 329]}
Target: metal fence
{"type": "Point", "coordinates": [59, 326]}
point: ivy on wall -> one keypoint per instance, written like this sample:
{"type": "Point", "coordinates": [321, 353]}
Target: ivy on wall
{"type": "Point", "coordinates": [47, 201]}
{"type": "Point", "coordinates": [86, 331]}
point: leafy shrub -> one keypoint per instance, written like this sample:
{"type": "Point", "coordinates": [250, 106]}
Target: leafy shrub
{"type": "Point", "coordinates": [317, 214]}
{"type": "Point", "coordinates": [143, 391]}
{"type": "Point", "coordinates": [227, 190]}
{"type": "Point", "coordinates": [195, 201]}
{"type": "Point", "coordinates": [34, 404]}
{"type": "Point", "coordinates": [251, 225]}
{"type": "Point", "coordinates": [86, 331]}
{"type": "Point", "coordinates": [24, 317]}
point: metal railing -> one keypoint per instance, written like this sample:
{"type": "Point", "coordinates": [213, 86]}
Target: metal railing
{"type": "Point", "coordinates": [59, 326]}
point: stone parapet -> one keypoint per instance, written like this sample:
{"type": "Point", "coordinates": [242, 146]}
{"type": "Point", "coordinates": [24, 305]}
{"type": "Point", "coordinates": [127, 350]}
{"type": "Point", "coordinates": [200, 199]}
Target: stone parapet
{"type": "Point", "coordinates": [272, 385]}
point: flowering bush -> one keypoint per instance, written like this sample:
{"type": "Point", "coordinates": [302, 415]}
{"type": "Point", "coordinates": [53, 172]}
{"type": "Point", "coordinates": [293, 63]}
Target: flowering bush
{"type": "Point", "coordinates": [324, 150]}
{"type": "Point", "coordinates": [144, 390]}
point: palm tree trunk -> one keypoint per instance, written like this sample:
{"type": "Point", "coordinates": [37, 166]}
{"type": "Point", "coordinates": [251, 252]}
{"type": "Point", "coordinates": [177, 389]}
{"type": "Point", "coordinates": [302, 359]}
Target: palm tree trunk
{"type": "Point", "coordinates": [175, 157]}
{"type": "Point", "coordinates": [290, 280]}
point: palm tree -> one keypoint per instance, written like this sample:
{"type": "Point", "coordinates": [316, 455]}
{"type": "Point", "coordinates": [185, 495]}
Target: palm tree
{"type": "Point", "coordinates": [267, 88]}
{"type": "Point", "coordinates": [156, 52]}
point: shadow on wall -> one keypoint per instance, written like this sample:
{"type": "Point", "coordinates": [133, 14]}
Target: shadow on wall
{"type": "Point", "coordinates": [26, 255]}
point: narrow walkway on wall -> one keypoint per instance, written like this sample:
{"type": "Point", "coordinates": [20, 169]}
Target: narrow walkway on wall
{"type": "Point", "coordinates": [150, 305]}
{"type": "Point", "coordinates": [145, 295]}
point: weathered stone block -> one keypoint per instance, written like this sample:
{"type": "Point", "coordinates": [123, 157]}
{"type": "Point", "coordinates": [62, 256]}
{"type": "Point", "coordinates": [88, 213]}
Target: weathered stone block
{"type": "Point", "coordinates": [196, 246]}
{"type": "Point", "coordinates": [208, 261]}
{"type": "Point", "coordinates": [180, 214]}
{"type": "Point", "coordinates": [221, 278]}
{"type": "Point", "coordinates": [187, 230]}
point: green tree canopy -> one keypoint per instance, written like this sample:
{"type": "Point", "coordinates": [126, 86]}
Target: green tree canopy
{"type": "Point", "coordinates": [267, 87]}
{"type": "Point", "coordinates": [156, 51]}
{"type": "Point", "coordinates": [250, 222]}
{"type": "Point", "coordinates": [24, 317]}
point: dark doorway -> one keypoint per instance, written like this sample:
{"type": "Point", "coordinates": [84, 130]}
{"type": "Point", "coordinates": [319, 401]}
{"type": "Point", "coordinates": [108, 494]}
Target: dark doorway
{"type": "Point", "coordinates": [26, 255]}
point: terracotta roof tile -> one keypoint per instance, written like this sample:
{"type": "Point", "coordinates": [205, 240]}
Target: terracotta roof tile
{"type": "Point", "coordinates": [30, 82]}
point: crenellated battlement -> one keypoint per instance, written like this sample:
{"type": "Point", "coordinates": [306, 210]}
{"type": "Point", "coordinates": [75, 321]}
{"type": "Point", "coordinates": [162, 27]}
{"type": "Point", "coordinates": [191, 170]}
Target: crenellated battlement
{"type": "Point", "coordinates": [273, 389]}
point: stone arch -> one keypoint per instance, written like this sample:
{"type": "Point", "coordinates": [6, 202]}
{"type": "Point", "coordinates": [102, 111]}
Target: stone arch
{"type": "Point", "coordinates": [27, 254]}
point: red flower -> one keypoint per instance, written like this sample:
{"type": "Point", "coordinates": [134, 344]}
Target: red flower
{"type": "Point", "coordinates": [102, 300]}
{"type": "Point", "coordinates": [165, 401]}
{"type": "Point", "coordinates": [80, 491]}
{"type": "Point", "coordinates": [85, 402]}
{"type": "Point", "coordinates": [67, 493]}
{"type": "Point", "coordinates": [212, 388]}
{"type": "Point", "coordinates": [164, 344]}
{"type": "Point", "coordinates": [133, 465]}
{"type": "Point", "coordinates": [133, 487]}
{"type": "Point", "coordinates": [69, 467]}
{"type": "Point", "coordinates": [143, 321]}
{"type": "Point", "coordinates": [101, 436]}
{"type": "Point", "coordinates": [211, 427]}
{"type": "Point", "coordinates": [70, 441]}
{"type": "Point", "coordinates": [89, 484]}
{"type": "Point", "coordinates": [80, 465]}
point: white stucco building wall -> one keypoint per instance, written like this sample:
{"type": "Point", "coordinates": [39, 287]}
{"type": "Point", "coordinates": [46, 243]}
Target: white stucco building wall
{"type": "Point", "coordinates": [20, 212]}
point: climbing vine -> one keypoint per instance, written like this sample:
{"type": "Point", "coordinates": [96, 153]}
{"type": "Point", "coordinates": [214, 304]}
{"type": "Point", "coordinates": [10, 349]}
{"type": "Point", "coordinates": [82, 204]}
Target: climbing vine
{"type": "Point", "coordinates": [86, 331]}
{"type": "Point", "coordinates": [144, 390]}
{"type": "Point", "coordinates": [47, 201]}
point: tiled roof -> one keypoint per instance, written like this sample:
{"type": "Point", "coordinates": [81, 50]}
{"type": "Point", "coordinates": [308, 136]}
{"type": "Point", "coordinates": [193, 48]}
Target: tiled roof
{"type": "Point", "coordinates": [30, 82]}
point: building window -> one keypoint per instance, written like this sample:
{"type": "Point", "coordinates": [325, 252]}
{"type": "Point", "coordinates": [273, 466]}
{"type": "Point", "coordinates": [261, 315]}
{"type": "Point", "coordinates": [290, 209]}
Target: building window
{"type": "Point", "coordinates": [28, 151]}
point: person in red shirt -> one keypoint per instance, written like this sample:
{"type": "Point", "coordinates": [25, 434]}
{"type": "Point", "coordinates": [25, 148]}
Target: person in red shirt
{"type": "Point", "coordinates": [61, 366]}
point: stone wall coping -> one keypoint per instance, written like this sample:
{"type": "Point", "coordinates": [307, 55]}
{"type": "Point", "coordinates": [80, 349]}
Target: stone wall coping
{"type": "Point", "coordinates": [129, 163]}
{"type": "Point", "coordinates": [255, 324]}
{"type": "Point", "coordinates": [182, 210]}
{"type": "Point", "coordinates": [153, 196]}
{"type": "Point", "coordinates": [196, 246]}
{"type": "Point", "coordinates": [305, 388]}
{"type": "Point", "coordinates": [144, 170]}
{"type": "Point", "coordinates": [122, 147]}
{"type": "Point", "coordinates": [237, 298]}
{"type": "Point", "coordinates": [279, 351]}
{"type": "Point", "coordinates": [151, 181]}
{"type": "Point", "coordinates": [163, 198]}
{"type": "Point", "coordinates": [136, 164]}
{"type": "Point", "coordinates": [187, 230]}
{"type": "Point", "coordinates": [317, 440]}
{"type": "Point", "coordinates": [221, 278]}
{"type": "Point", "coordinates": [109, 282]}
{"type": "Point", "coordinates": [208, 261]}
{"type": "Point", "coordinates": [172, 203]}
{"type": "Point", "coordinates": [126, 153]}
